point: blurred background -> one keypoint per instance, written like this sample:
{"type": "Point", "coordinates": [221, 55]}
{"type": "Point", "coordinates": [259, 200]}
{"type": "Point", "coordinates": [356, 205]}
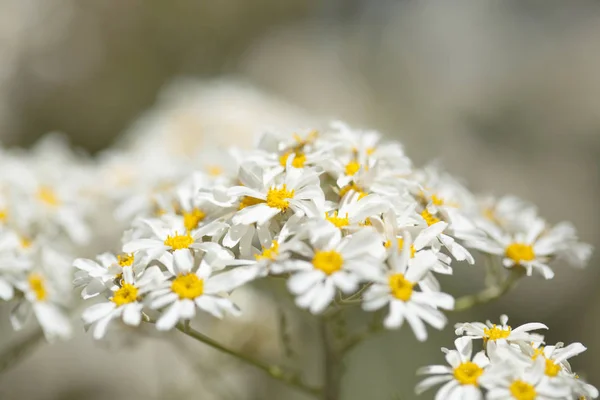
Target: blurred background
{"type": "Point", "coordinates": [504, 94]}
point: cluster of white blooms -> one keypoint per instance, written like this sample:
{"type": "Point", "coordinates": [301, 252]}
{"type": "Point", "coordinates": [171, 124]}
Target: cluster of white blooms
{"type": "Point", "coordinates": [340, 214]}
{"type": "Point", "coordinates": [514, 364]}
{"type": "Point", "coordinates": [45, 202]}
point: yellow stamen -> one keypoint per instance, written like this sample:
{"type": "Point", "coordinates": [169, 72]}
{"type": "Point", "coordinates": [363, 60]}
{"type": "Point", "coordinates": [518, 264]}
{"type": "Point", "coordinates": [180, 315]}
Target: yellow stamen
{"type": "Point", "coordinates": [125, 260]}
{"type": "Point", "coordinates": [467, 373]}
{"type": "Point", "coordinates": [3, 214]}
{"type": "Point", "coordinates": [25, 242]}
{"type": "Point", "coordinates": [552, 369]}
{"type": "Point", "coordinates": [370, 151]}
{"type": "Point", "coordinates": [352, 167]}
{"type": "Point", "coordinates": [125, 294]}
{"type": "Point", "coordinates": [248, 201]}
{"type": "Point", "coordinates": [522, 390]}
{"type": "Point", "coordinates": [355, 187]}
{"type": "Point", "coordinates": [402, 289]}
{"type": "Point", "coordinates": [438, 201]}
{"type": "Point", "coordinates": [269, 254]}
{"type": "Point", "coordinates": [339, 222]}
{"type": "Point", "coordinates": [46, 195]}
{"type": "Point", "coordinates": [36, 283]}
{"type": "Point", "coordinates": [519, 252]}
{"type": "Point", "coordinates": [328, 261]}
{"type": "Point", "coordinates": [178, 242]}
{"type": "Point", "coordinates": [298, 162]}
{"type": "Point", "coordinates": [188, 286]}
{"type": "Point", "coordinates": [430, 219]}
{"type": "Point", "coordinates": [496, 332]}
{"type": "Point", "coordinates": [192, 219]}
{"type": "Point", "coordinates": [278, 198]}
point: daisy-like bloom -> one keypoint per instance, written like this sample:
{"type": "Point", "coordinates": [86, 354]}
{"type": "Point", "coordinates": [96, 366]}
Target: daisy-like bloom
{"type": "Point", "coordinates": [462, 378]}
{"type": "Point", "coordinates": [525, 384]}
{"type": "Point", "coordinates": [532, 248]}
{"type": "Point", "coordinates": [297, 190]}
{"type": "Point", "coordinates": [354, 211]}
{"type": "Point", "coordinates": [97, 276]}
{"type": "Point", "coordinates": [500, 335]}
{"type": "Point", "coordinates": [171, 236]}
{"type": "Point", "coordinates": [272, 257]}
{"type": "Point", "coordinates": [125, 301]}
{"type": "Point", "coordinates": [395, 285]}
{"type": "Point", "coordinates": [331, 262]}
{"type": "Point", "coordinates": [557, 365]}
{"type": "Point", "coordinates": [358, 149]}
{"type": "Point", "coordinates": [43, 295]}
{"type": "Point", "coordinates": [191, 287]}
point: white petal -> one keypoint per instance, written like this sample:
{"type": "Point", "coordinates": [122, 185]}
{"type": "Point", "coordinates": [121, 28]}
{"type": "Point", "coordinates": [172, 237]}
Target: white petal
{"type": "Point", "coordinates": [170, 317]}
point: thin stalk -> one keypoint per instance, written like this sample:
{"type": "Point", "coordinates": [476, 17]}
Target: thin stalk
{"type": "Point", "coordinates": [274, 371]}
{"type": "Point", "coordinates": [490, 293]}
{"type": "Point", "coordinates": [332, 374]}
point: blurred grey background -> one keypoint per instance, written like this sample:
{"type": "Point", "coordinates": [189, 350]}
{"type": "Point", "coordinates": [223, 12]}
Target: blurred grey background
{"type": "Point", "coordinates": [505, 94]}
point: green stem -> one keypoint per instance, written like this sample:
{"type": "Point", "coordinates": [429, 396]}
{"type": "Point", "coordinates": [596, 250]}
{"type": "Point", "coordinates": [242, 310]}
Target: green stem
{"type": "Point", "coordinates": [274, 371]}
{"type": "Point", "coordinates": [490, 293]}
{"type": "Point", "coordinates": [332, 365]}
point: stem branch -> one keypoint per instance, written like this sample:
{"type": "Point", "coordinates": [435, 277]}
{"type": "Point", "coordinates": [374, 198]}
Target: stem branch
{"type": "Point", "coordinates": [490, 293]}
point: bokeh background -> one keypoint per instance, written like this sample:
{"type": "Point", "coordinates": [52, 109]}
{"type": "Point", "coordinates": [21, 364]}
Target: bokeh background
{"type": "Point", "coordinates": [504, 94]}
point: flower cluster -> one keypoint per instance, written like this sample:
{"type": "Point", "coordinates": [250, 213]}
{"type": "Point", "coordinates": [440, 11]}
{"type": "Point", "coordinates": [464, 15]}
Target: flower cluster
{"type": "Point", "coordinates": [514, 364]}
{"type": "Point", "coordinates": [44, 218]}
{"type": "Point", "coordinates": [340, 214]}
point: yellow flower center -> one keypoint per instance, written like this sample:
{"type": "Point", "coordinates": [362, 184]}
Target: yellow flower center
{"type": "Point", "coordinates": [214, 170]}
{"type": "Point", "coordinates": [270, 253]}
{"type": "Point", "coordinates": [125, 294]}
{"type": "Point", "coordinates": [248, 201]}
{"type": "Point", "coordinates": [338, 221]}
{"type": "Point", "coordinates": [400, 240]}
{"type": "Point", "coordinates": [438, 201]}
{"type": "Point", "coordinates": [401, 288]}
{"type": "Point", "coordinates": [46, 195]}
{"type": "Point", "coordinates": [371, 150]}
{"type": "Point", "coordinates": [355, 187]}
{"type": "Point", "coordinates": [552, 369]}
{"type": "Point", "coordinates": [3, 214]}
{"type": "Point", "coordinates": [278, 198]}
{"type": "Point", "coordinates": [36, 283]}
{"type": "Point", "coordinates": [430, 219]}
{"type": "Point", "coordinates": [467, 373]}
{"type": "Point", "coordinates": [496, 332]}
{"type": "Point", "coordinates": [352, 167]}
{"type": "Point", "coordinates": [125, 260]}
{"type": "Point", "coordinates": [519, 252]}
{"type": "Point", "coordinates": [192, 219]}
{"type": "Point", "coordinates": [188, 286]}
{"type": "Point", "coordinates": [328, 261]}
{"type": "Point", "coordinates": [522, 390]}
{"type": "Point", "coordinates": [25, 242]}
{"type": "Point", "coordinates": [298, 162]}
{"type": "Point", "coordinates": [178, 242]}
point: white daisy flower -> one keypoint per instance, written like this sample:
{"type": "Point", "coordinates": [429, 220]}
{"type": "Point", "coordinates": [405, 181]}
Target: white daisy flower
{"type": "Point", "coordinates": [395, 286]}
{"type": "Point", "coordinates": [189, 289]}
{"type": "Point", "coordinates": [533, 248]}
{"type": "Point", "coordinates": [297, 190]}
{"type": "Point", "coordinates": [171, 236]}
{"type": "Point", "coordinates": [500, 334]}
{"type": "Point", "coordinates": [46, 295]}
{"type": "Point", "coordinates": [527, 384]}
{"type": "Point", "coordinates": [97, 276]}
{"type": "Point", "coordinates": [462, 378]}
{"type": "Point", "coordinates": [330, 263]}
{"type": "Point", "coordinates": [125, 302]}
